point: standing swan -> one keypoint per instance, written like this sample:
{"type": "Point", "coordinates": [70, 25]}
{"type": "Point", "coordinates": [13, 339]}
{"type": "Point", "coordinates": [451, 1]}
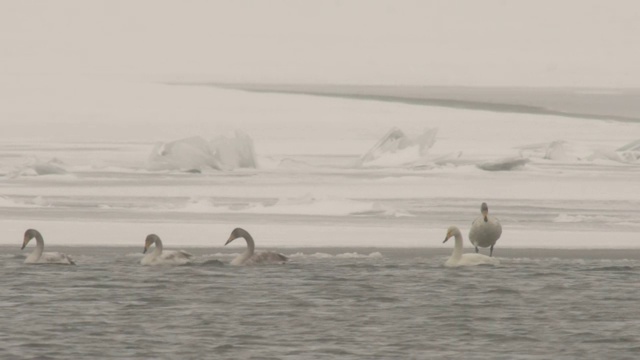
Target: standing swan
{"type": "Point", "coordinates": [459, 259]}
{"type": "Point", "coordinates": [40, 257]}
{"type": "Point", "coordinates": [485, 230]}
{"type": "Point", "coordinates": [248, 257]}
{"type": "Point", "coordinates": [158, 257]}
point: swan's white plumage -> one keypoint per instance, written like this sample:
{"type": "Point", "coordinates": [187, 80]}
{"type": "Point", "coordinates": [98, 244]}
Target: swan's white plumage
{"type": "Point", "coordinates": [459, 259]}
{"type": "Point", "coordinates": [38, 256]}
{"type": "Point", "coordinates": [249, 257]}
{"type": "Point", "coordinates": [485, 229]}
{"type": "Point", "coordinates": [161, 257]}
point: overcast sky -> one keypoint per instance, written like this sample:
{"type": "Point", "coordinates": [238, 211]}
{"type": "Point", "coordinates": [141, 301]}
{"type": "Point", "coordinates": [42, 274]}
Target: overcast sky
{"type": "Point", "coordinates": [522, 43]}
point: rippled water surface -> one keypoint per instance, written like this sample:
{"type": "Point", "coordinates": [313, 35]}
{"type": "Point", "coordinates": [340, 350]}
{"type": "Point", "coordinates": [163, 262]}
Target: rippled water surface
{"type": "Point", "coordinates": [326, 303]}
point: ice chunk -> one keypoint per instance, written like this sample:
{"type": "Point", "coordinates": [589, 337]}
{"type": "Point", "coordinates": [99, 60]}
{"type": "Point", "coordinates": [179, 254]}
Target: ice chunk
{"type": "Point", "coordinates": [630, 152]}
{"type": "Point", "coordinates": [38, 167]}
{"type": "Point", "coordinates": [188, 154]}
{"type": "Point", "coordinates": [557, 150]}
{"type": "Point", "coordinates": [235, 152]}
{"type": "Point", "coordinates": [395, 148]}
{"type": "Point", "coordinates": [627, 154]}
{"type": "Point", "coordinates": [504, 164]}
{"type": "Point", "coordinates": [48, 168]}
{"type": "Point", "coordinates": [195, 154]}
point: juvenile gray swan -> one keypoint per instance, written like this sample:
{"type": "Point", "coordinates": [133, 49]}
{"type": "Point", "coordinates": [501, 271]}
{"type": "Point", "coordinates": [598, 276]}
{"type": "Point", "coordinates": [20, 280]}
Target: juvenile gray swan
{"type": "Point", "coordinates": [485, 230]}
{"type": "Point", "coordinates": [38, 256]}
{"type": "Point", "coordinates": [251, 258]}
{"type": "Point", "coordinates": [159, 257]}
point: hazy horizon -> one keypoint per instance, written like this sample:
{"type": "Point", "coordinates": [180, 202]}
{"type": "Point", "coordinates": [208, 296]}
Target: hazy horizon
{"type": "Point", "coordinates": [585, 44]}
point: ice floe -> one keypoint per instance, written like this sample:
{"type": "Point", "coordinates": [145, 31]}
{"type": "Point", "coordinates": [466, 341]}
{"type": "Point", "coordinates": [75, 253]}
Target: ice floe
{"type": "Point", "coordinates": [196, 154]}
{"type": "Point", "coordinates": [506, 164]}
{"type": "Point", "coordinates": [574, 152]}
{"type": "Point", "coordinates": [395, 148]}
{"type": "Point", "coordinates": [37, 167]}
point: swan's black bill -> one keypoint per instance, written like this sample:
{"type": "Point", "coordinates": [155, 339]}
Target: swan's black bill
{"type": "Point", "coordinates": [23, 246]}
{"type": "Point", "coordinates": [144, 251]}
{"type": "Point", "coordinates": [230, 240]}
{"type": "Point", "coordinates": [445, 240]}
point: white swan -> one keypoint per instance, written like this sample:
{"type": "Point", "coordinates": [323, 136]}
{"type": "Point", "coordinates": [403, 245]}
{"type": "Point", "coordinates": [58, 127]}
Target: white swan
{"type": "Point", "coordinates": [40, 257]}
{"type": "Point", "coordinates": [248, 257]}
{"type": "Point", "coordinates": [485, 230]}
{"type": "Point", "coordinates": [159, 257]}
{"type": "Point", "coordinates": [459, 259]}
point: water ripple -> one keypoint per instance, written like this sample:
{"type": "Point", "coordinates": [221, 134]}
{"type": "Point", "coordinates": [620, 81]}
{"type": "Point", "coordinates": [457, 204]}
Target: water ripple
{"type": "Point", "coordinates": [387, 306]}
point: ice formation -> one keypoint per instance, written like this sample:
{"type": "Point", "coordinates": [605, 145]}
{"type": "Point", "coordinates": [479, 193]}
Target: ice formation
{"type": "Point", "coordinates": [557, 150]}
{"type": "Point", "coordinates": [196, 154]}
{"type": "Point", "coordinates": [630, 152]}
{"type": "Point", "coordinates": [38, 167]}
{"type": "Point", "coordinates": [506, 164]}
{"type": "Point", "coordinates": [395, 148]}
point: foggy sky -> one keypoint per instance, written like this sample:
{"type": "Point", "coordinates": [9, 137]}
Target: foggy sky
{"type": "Point", "coordinates": [475, 43]}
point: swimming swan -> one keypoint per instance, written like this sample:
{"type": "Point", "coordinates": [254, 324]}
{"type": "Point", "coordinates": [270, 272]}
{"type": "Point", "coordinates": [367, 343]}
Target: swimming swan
{"type": "Point", "coordinates": [459, 259]}
{"type": "Point", "coordinates": [248, 257]}
{"type": "Point", "coordinates": [40, 257]}
{"type": "Point", "coordinates": [485, 230]}
{"type": "Point", "coordinates": [159, 257]}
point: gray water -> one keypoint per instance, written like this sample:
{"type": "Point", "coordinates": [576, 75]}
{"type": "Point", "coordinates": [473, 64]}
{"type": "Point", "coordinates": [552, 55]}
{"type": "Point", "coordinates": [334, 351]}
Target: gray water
{"type": "Point", "coordinates": [400, 303]}
{"type": "Point", "coordinates": [584, 103]}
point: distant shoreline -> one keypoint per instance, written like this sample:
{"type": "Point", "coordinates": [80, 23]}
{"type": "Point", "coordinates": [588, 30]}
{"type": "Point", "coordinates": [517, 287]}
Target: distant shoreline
{"type": "Point", "coordinates": [619, 105]}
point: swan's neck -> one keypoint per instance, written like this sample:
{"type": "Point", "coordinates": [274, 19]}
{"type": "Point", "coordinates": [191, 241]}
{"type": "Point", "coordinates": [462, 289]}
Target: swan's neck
{"type": "Point", "coordinates": [457, 250]}
{"type": "Point", "coordinates": [247, 253]}
{"type": "Point", "coordinates": [158, 250]}
{"type": "Point", "coordinates": [37, 252]}
{"type": "Point", "coordinates": [250, 245]}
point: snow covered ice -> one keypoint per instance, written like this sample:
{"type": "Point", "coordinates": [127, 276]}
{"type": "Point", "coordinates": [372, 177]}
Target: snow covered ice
{"type": "Point", "coordinates": [197, 154]}
{"type": "Point", "coordinates": [382, 170]}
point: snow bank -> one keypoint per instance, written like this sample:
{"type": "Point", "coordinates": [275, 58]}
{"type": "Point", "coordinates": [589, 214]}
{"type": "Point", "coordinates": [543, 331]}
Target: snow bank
{"type": "Point", "coordinates": [196, 154]}
{"type": "Point", "coordinates": [397, 149]}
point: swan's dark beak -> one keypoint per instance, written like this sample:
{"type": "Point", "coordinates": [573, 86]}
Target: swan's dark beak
{"type": "Point", "coordinates": [486, 219]}
{"type": "Point", "coordinates": [25, 241]}
{"type": "Point", "coordinates": [447, 238]}
{"type": "Point", "coordinates": [230, 240]}
{"type": "Point", "coordinates": [23, 246]}
{"type": "Point", "coordinates": [144, 251]}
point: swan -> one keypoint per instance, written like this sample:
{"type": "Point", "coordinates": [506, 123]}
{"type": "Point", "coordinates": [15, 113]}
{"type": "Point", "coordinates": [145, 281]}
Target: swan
{"type": "Point", "coordinates": [485, 230]}
{"type": "Point", "coordinates": [459, 259]}
{"type": "Point", "coordinates": [248, 257]}
{"type": "Point", "coordinates": [159, 257]}
{"type": "Point", "coordinates": [40, 257]}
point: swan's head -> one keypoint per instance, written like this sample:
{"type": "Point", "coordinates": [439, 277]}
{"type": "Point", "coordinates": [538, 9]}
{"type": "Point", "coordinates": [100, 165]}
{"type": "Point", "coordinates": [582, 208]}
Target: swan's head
{"type": "Point", "coordinates": [451, 231]}
{"type": "Point", "coordinates": [236, 233]}
{"type": "Point", "coordinates": [28, 235]}
{"type": "Point", "coordinates": [150, 240]}
{"type": "Point", "coordinates": [484, 209]}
